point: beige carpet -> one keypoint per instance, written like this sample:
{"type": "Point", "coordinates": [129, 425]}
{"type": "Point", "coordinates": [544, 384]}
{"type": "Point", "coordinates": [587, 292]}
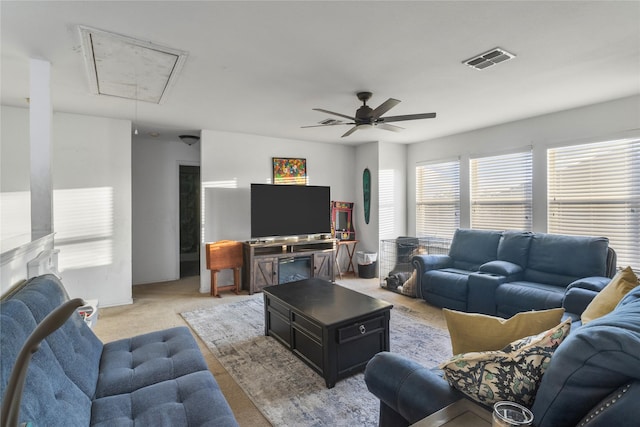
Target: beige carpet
{"type": "Point", "coordinates": [157, 306]}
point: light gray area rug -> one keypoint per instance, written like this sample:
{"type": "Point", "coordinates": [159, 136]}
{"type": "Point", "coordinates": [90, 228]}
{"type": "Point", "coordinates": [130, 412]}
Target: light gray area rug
{"type": "Point", "coordinates": [285, 390]}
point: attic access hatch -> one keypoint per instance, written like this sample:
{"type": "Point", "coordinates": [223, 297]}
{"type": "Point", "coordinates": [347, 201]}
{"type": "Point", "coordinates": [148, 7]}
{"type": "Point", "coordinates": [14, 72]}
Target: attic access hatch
{"type": "Point", "coordinates": [128, 68]}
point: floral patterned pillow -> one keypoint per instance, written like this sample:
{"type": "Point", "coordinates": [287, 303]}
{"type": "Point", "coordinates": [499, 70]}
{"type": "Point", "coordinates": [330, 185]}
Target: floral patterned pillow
{"type": "Point", "coordinates": [512, 373]}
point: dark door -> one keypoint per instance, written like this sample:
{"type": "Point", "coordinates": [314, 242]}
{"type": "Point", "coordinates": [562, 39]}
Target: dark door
{"type": "Point", "coordinates": [189, 220]}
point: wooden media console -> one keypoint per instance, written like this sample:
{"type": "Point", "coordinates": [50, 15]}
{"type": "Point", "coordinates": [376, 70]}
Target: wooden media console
{"type": "Point", "coordinates": [275, 262]}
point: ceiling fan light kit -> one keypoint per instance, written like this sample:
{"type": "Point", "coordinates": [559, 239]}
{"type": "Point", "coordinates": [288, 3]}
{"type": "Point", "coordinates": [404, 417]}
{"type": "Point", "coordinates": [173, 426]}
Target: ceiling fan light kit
{"type": "Point", "coordinates": [367, 117]}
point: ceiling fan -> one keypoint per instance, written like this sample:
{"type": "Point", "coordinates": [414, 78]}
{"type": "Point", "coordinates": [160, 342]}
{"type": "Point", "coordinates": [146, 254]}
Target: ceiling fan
{"type": "Point", "coordinates": [368, 117]}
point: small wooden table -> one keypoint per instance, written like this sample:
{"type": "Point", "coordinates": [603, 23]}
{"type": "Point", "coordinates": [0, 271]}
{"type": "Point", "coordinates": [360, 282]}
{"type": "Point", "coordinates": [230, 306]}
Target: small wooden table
{"type": "Point", "coordinates": [351, 249]}
{"type": "Point", "coordinates": [220, 256]}
{"type": "Point", "coordinates": [463, 413]}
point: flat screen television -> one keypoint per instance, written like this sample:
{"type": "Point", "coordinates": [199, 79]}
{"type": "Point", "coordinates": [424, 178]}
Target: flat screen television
{"type": "Point", "coordinates": [289, 210]}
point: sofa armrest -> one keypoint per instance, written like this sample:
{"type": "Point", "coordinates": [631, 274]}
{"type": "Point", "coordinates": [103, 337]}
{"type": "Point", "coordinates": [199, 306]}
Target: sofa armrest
{"type": "Point", "coordinates": [424, 263]}
{"type": "Point", "coordinates": [576, 300]}
{"type": "Point", "coordinates": [408, 388]}
{"type": "Point", "coordinates": [503, 268]}
{"type": "Point", "coordinates": [581, 292]}
{"type": "Point", "coordinates": [620, 406]}
{"type": "Point", "coordinates": [594, 283]}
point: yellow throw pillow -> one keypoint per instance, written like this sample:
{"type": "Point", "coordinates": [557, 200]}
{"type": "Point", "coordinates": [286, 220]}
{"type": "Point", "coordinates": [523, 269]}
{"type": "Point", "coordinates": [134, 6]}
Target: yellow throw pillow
{"type": "Point", "coordinates": [480, 332]}
{"type": "Point", "coordinates": [610, 296]}
{"type": "Point", "coordinates": [512, 373]}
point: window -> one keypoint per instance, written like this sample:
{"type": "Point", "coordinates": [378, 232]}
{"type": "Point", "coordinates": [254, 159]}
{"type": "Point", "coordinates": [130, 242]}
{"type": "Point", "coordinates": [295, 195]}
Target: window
{"type": "Point", "coordinates": [387, 204]}
{"type": "Point", "coordinates": [501, 195]}
{"type": "Point", "coordinates": [438, 199]}
{"type": "Point", "coordinates": [594, 189]}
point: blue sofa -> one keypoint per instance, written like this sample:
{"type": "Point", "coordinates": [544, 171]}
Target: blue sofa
{"type": "Point", "coordinates": [505, 272]}
{"type": "Point", "coordinates": [593, 378]}
{"type": "Point", "coordinates": [156, 379]}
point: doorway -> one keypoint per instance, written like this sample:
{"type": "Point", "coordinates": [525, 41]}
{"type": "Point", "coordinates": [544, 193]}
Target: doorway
{"type": "Point", "coordinates": [189, 220]}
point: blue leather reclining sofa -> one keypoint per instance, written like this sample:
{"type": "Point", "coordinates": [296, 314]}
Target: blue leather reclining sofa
{"type": "Point", "coordinates": [156, 379]}
{"type": "Point", "coordinates": [505, 272]}
{"type": "Point", "coordinates": [593, 379]}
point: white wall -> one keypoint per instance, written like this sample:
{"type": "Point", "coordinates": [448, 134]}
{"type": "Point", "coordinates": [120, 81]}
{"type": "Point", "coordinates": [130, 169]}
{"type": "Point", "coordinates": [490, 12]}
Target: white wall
{"type": "Point", "coordinates": [15, 195]}
{"type": "Point", "coordinates": [231, 162]}
{"type": "Point", "coordinates": [586, 123]}
{"type": "Point", "coordinates": [155, 206]}
{"type": "Point", "coordinates": [91, 176]}
{"type": "Point", "coordinates": [92, 206]}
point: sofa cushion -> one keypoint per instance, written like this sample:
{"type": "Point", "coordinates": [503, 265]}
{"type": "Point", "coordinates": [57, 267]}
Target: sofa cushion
{"type": "Point", "coordinates": [49, 397]}
{"type": "Point", "coordinates": [559, 260]}
{"type": "Point", "coordinates": [74, 344]}
{"type": "Point", "coordinates": [448, 282]}
{"type": "Point", "coordinates": [512, 373]}
{"type": "Point", "coordinates": [514, 247]}
{"type": "Point", "coordinates": [514, 297]}
{"type": "Point", "coordinates": [595, 360]}
{"type": "Point", "coordinates": [133, 363]}
{"type": "Point", "coordinates": [607, 299]}
{"type": "Point", "coordinates": [479, 332]}
{"type": "Point", "coordinates": [474, 247]}
{"type": "Point", "coordinates": [193, 400]}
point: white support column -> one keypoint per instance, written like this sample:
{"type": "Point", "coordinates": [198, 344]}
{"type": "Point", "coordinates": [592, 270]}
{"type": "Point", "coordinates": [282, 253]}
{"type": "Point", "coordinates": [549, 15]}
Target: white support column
{"type": "Point", "coordinates": [40, 123]}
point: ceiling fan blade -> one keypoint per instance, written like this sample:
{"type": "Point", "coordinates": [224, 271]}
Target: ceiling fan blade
{"type": "Point", "coordinates": [384, 107]}
{"type": "Point", "coordinates": [334, 113]}
{"type": "Point", "coordinates": [352, 130]}
{"type": "Point", "coordinates": [407, 117]}
{"type": "Point", "coordinates": [392, 128]}
{"type": "Point", "coordinates": [328, 124]}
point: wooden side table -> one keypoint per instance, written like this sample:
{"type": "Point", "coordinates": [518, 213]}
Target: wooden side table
{"type": "Point", "coordinates": [225, 254]}
{"type": "Point", "coordinates": [463, 413]}
{"type": "Point", "coordinates": [350, 245]}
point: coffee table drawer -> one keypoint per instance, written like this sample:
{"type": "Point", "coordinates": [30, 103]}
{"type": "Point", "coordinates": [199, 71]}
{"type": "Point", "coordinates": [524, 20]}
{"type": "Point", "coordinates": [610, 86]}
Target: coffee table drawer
{"type": "Point", "coordinates": [361, 329]}
{"type": "Point", "coordinates": [278, 326]}
{"type": "Point", "coordinates": [310, 327]}
{"type": "Point", "coordinates": [354, 354]}
{"type": "Point", "coordinates": [308, 348]}
{"type": "Point", "coordinates": [278, 306]}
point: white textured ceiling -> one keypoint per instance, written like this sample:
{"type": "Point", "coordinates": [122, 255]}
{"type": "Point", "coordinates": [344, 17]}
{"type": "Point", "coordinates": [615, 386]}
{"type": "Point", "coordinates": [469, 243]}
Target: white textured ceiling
{"type": "Point", "coordinates": [260, 67]}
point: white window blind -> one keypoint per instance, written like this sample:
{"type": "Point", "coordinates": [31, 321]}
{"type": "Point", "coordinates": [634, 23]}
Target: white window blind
{"type": "Point", "coordinates": [387, 205]}
{"type": "Point", "coordinates": [594, 189]}
{"type": "Point", "coordinates": [438, 199]}
{"type": "Point", "coordinates": [501, 192]}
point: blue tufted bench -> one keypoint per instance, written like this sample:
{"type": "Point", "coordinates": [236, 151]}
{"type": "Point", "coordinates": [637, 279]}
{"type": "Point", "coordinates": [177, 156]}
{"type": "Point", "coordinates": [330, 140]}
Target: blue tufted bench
{"type": "Point", "coordinates": [155, 379]}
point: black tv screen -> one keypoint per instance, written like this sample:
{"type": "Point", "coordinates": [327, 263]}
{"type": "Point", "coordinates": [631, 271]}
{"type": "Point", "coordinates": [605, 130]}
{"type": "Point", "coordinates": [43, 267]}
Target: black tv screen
{"type": "Point", "coordinates": [289, 210]}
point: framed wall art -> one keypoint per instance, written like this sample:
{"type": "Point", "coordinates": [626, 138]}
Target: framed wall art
{"type": "Point", "coordinates": [289, 171]}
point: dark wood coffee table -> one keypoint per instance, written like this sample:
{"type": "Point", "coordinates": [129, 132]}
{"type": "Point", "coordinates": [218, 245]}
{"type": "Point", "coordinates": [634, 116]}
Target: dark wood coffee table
{"type": "Point", "coordinates": [332, 329]}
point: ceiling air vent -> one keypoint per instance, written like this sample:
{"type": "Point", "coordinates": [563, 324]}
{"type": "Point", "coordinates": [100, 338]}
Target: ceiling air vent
{"type": "Point", "coordinates": [487, 59]}
{"type": "Point", "coordinates": [125, 67]}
